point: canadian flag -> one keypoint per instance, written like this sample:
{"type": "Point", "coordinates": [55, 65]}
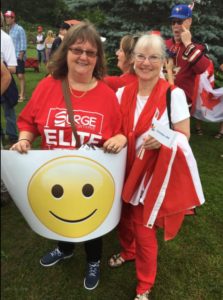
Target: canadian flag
{"type": "Point", "coordinates": [208, 103]}
{"type": "Point", "coordinates": [171, 183]}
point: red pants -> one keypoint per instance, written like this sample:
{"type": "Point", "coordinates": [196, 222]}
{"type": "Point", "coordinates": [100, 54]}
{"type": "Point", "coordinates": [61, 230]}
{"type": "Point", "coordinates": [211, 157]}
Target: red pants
{"type": "Point", "coordinates": [139, 242]}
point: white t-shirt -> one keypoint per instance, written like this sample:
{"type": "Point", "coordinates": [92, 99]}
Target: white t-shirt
{"type": "Point", "coordinates": [40, 38]}
{"type": "Point", "coordinates": [8, 50]}
{"type": "Point", "coordinates": [179, 110]}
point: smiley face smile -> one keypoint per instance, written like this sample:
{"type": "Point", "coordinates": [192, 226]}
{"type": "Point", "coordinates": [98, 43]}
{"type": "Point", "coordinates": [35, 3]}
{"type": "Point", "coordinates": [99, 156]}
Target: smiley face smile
{"type": "Point", "coordinates": [73, 221]}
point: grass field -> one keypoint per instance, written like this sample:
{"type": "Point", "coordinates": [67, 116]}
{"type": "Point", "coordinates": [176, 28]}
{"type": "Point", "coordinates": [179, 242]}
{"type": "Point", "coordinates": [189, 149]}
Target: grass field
{"type": "Point", "coordinates": [189, 268]}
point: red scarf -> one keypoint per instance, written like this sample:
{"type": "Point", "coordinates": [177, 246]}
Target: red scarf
{"type": "Point", "coordinates": [156, 100]}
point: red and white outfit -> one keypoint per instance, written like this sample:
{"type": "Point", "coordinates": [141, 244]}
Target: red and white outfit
{"type": "Point", "coordinates": [189, 61]}
{"type": "Point", "coordinates": [149, 185]}
{"type": "Point", "coordinates": [97, 115]}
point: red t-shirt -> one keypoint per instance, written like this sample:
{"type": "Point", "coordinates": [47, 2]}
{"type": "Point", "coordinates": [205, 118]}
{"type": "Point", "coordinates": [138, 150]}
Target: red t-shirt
{"type": "Point", "coordinates": [116, 82]}
{"type": "Point", "coordinates": [97, 115]}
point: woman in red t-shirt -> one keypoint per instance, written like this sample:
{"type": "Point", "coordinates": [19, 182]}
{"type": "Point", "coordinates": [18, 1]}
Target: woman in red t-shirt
{"type": "Point", "coordinates": [80, 63]}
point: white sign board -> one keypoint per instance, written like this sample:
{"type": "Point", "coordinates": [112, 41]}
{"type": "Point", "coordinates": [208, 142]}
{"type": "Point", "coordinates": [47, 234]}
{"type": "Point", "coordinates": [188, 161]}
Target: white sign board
{"type": "Point", "coordinates": [67, 195]}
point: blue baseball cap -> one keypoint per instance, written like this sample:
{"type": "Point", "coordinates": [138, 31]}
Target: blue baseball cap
{"type": "Point", "coordinates": [181, 11]}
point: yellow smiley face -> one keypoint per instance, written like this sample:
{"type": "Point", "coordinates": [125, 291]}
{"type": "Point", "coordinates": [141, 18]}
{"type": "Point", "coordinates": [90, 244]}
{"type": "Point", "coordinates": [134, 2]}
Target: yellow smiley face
{"type": "Point", "coordinates": [71, 196]}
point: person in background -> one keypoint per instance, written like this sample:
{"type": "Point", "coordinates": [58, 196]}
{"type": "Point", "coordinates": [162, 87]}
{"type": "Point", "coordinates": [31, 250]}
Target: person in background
{"type": "Point", "coordinates": [8, 56]}
{"type": "Point", "coordinates": [48, 43]}
{"type": "Point", "coordinates": [80, 61]}
{"type": "Point", "coordinates": [58, 40]}
{"type": "Point", "coordinates": [5, 81]}
{"type": "Point", "coordinates": [125, 64]}
{"type": "Point", "coordinates": [189, 57]}
{"type": "Point", "coordinates": [40, 45]}
{"type": "Point", "coordinates": [18, 36]}
{"type": "Point", "coordinates": [141, 102]}
{"type": "Point", "coordinates": [219, 135]}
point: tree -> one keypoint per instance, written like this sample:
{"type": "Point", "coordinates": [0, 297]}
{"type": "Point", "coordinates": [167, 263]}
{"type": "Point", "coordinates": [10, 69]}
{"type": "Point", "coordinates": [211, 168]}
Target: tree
{"type": "Point", "coordinates": [115, 18]}
{"type": "Point", "coordinates": [130, 16]}
{"type": "Point", "coordinates": [50, 12]}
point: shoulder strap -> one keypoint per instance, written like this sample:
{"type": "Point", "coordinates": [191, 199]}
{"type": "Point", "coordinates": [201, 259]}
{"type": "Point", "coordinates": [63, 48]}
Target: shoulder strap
{"type": "Point", "coordinates": [70, 112]}
{"type": "Point", "coordinates": [168, 105]}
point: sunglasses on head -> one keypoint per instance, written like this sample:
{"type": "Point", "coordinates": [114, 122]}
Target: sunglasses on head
{"type": "Point", "coordinates": [177, 21]}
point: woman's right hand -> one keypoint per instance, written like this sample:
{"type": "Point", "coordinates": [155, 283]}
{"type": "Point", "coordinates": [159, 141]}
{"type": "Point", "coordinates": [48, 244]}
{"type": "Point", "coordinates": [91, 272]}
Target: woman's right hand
{"type": "Point", "coordinates": [22, 146]}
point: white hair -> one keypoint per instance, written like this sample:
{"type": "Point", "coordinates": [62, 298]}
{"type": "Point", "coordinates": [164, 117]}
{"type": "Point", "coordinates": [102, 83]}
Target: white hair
{"type": "Point", "coordinates": [148, 41]}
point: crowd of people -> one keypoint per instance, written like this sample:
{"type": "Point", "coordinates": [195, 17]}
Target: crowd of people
{"type": "Point", "coordinates": [46, 45]}
{"type": "Point", "coordinates": [130, 104]}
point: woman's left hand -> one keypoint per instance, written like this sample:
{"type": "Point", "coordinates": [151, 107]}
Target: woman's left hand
{"type": "Point", "coordinates": [150, 143]}
{"type": "Point", "coordinates": [115, 144]}
{"type": "Point", "coordinates": [169, 64]}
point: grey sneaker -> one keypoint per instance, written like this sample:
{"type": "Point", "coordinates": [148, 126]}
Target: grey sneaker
{"type": "Point", "coordinates": [92, 276]}
{"type": "Point", "coordinates": [54, 257]}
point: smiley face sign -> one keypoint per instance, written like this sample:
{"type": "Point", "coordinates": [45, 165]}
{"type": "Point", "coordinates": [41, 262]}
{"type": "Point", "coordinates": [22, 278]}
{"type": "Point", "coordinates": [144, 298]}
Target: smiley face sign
{"type": "Point", "coordinates": [68, 202]}
{"type": "Point", "coordinates": [67, 195]}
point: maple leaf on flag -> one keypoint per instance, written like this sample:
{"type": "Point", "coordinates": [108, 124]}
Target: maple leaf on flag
{"type": "Point", "coordinates": [209, 101]}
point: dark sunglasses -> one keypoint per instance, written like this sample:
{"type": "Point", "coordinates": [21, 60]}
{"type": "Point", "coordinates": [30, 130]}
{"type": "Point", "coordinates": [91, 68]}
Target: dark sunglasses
{"type": "Point", "coordinates": [79, 52]}
{"type": "Point", "coordinates": [178, 22]}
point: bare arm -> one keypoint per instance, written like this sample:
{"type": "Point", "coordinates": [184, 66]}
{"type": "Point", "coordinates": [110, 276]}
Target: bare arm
{"type": "Point", "coordinates": [12, 69]}
{"type": "Point", "coordinates": [24, 142]}
{"type": "Point", "coordinates": [5, 78]}
{"type": "Point", "coordinates": [183, 127]}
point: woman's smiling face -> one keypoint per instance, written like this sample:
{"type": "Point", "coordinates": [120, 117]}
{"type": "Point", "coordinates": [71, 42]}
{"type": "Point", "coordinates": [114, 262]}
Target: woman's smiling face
{"type": "Point", "coordinates": [82, 58]}
{"type": "Point", "coordinates": [148, 63]}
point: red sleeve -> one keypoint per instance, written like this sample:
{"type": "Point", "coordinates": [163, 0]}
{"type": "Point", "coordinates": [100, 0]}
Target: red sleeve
{"type": "Point", "coordinates": [194, 54]}
{"type": "Point", "coordinates": [114, 82]}
{"type": "Point", "coordinates": [26, 119]}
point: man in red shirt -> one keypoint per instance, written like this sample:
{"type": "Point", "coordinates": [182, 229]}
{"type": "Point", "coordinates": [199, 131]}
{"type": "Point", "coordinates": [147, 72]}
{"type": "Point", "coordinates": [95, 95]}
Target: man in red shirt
{"type": "Point", "coordinates": [189, 57]}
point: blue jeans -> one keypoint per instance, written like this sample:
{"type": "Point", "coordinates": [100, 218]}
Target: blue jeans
{"type": "Point", "coordinates": [41, 56]}
{"type": "Point", "coordinates": [10, 118]}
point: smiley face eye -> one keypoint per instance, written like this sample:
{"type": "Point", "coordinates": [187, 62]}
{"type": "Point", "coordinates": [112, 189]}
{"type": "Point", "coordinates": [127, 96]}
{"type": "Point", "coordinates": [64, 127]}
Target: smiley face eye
{"type": "Point", "coordinates": [87, 190]}
{"type": "Point", "coordinates": [57, 191]}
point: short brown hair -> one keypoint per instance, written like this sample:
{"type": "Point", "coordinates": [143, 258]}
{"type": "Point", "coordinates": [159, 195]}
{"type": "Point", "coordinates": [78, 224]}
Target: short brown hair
{"type": "Point", "coordinates": [84, 31]}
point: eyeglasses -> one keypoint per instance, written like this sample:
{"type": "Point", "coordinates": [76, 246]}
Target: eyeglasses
{"type": "Point", "coordinates": [153, 59]}
{"type": "Point", "coordinates": [177, 21]}
{"type": "Point", "coordinates": [79, 51]}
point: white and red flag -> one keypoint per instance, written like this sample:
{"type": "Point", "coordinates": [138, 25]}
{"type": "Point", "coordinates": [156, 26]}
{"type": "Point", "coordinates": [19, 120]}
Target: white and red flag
{"type": "Point", "coordinates": [208, 104]}
{"type": "Point", "coordinates": [170, 182]}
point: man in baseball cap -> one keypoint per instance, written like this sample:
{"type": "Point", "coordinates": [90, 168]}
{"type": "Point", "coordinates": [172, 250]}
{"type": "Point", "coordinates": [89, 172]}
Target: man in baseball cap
{"type": "Point", "coordinates": [40, 45]}
{"type": "Point", "coordinates": [189, 57]}
{"type": "Point", "coordinates": [18, 36]}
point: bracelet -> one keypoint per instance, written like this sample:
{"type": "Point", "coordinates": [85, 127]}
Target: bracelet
{"type": "Point", "coordinates": [24, 140]}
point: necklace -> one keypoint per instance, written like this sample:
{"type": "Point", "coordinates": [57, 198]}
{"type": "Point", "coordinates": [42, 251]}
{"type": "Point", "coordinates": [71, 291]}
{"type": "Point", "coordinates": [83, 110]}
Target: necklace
{"type": "Point", "coordinates": [77, 96]}
{"type": "Point", "coordinates": [83, 94]}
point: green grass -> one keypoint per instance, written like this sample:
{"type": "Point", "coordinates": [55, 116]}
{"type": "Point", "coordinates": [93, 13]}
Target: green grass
{"type": "Point", "coordinates": [189, 267]}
